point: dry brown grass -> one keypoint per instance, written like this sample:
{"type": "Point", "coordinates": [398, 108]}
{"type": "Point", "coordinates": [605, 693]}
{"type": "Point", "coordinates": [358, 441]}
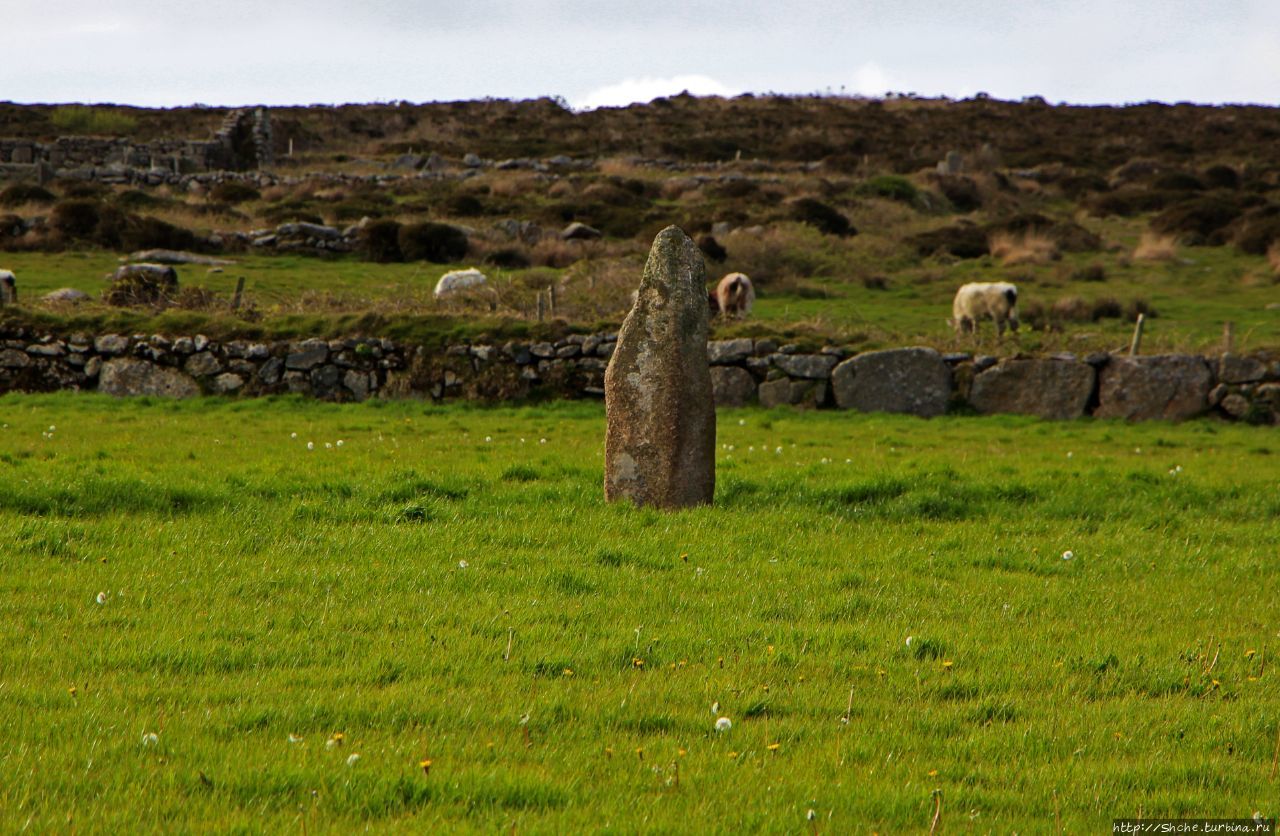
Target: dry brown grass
{"type": "Point", "coordinates": [1028, 248]}
{"type": "Point", "coordinates": [1155, 247]}
{"type": "Point", "coordinates": [1273, 257]}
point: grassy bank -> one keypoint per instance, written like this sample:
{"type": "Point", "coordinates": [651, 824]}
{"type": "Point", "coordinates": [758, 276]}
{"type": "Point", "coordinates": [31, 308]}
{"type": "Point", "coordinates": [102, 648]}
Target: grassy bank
{"type": "Point", "coordinates": [445, 595]}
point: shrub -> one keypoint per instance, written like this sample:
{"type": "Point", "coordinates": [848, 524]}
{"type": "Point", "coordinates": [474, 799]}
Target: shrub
{"type": "Point", "coordinates": [1094, 272]}
{"type": "Point", "coordinates": [1065, 234]}
{"type": "Point", "coordinates": [143, 233]}
{"type": "Point", "coordinates": [78, 119]}
{"type": "Point", "coordinates": [961, 191]}
{"type": "Point", "coordinates": [1071, 309]}
{"type": "Point", "coordinates": [20, 193]}
{"type": "Point", "coordinates": [1194, 221]}
{"type": "Point", "coordinates": [233, 191]}
{"type": "Point", "coordinates": [75, 218]}
{"type": "Point", "coordinates": [434, 242]}
{"type": "Point", "coordinates": [140, 286]}
{"type": "Point", "coordinates": [1155, 247]}
{"type": "Point", "coordinates": [1178, 181]}
{"type": "Point", "coordinates": [1106, 308]}
{"type": "Point", "coordinates": [1131, 200]}
{"type": "Point", "coordinates": [1026, 248]}
{"type": "Point", "coordinates": [508, 258]}
{"type": "Point", "coordinates": [84, 188]}
{"type": "Point", "coordinates": [962, 240]}
{"type": "Point", "coordinates": [875, 283]}
{"type": "Point", "coordinates": [892, 187]}
{"type": "Point", "coordinates": [291, 212]}
{"type": "Point", "coordinates": [1140, 306]}
{"type": "Point", "coordinates": [712, 248]}
{"type": "Point", "coordinates": [1255, 231]}
{"type": "Point", "coordinates": [464, 206]}
{"type": "Point", "coordinates": [1222, 177]}
{"type": "Point", "coordinates": [822, 217]}
{"type": "Point", "coordinates": [134, 199]}
{"type": "Point", "coordinates": [380, 241]}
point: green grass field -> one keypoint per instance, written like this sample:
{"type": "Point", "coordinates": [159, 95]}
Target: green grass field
{"type": "Point", "coordinates": [206, 626]}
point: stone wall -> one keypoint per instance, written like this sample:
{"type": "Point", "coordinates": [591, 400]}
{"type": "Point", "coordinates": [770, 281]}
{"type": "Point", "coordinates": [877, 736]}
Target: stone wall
{"type": "Point", "coordinates": [917, 381]}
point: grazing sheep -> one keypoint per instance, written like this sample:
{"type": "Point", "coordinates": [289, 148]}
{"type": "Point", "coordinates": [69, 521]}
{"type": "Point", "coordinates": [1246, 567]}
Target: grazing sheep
{"type": "Point", "coordinates": [734, 295]}
{"type": "Point", "coordinates": [978, 300]}
{"type": "Point", "coordinates": [8, 288]}
{"type": "Point", "coordinates": [458, 280]}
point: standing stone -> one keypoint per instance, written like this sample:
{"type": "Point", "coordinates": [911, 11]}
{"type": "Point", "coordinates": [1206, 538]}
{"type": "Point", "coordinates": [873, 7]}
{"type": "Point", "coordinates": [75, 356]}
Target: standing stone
{"type": "Point", "coordinates": [661, 435]}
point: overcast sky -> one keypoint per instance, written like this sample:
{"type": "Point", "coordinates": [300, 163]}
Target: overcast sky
{"type": "Point", "coordinates": [601, 52]}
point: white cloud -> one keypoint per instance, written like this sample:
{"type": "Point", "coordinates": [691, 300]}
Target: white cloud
{"type": "Point", "coordinates": [870, 80]}
{"type": "Point", "coordinates": [633, 90]}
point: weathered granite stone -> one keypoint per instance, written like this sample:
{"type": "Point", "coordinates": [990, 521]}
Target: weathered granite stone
{"type": "Point", "coordinates": [13, 359]}
{"type": "Point", "coordinates": [202, 364]}
{"type": "Point", "coordinates": [1217, 393]}
{"type": "Point", "coordinates": [325, 380]}
{"type": "Point", "coordinates": [543, 351]}
{"type": "Point", "coordinates": [112, 345]}
{"type": "Point", "coordinates": [729, 352]}
{"type": "Point", "coordinates": [357, 383]}
{"type": "Point", "coordinates": [308, 355]}
{"type": "Point", "coordinates": [271, 371]}
{"type": "Point", "coordinates": [1172, 387]}
{"type": "Point", "coordinates": [732, 386]}
{"type": "Point", "coordinates": [226, 383]}
{"type": "Point", "coordinates": [297, 382]}
{"type": "Point", "coordinates": [916, 381]}
{"type": "Point", "coordinates": [1235, 405]}
{"type": "Point", "coordinates": [123, 376]}
{"type": "Point", "coordinates": [784, 391]}
{"type": "Point", "coordinates": [659, 408]}
{"type": "Point", "coordinates": [1235, 368]}
{"type": "Point", "coordinates": [1055, 389]}
{"type": "Point", "coordinates": [47, 349]}
{"type": "Point", "coordinates": [92, 367]}
{"type": "Point", "coordinates": [809, 366]}
{"type": "Point", "coordinates": [184, 345]}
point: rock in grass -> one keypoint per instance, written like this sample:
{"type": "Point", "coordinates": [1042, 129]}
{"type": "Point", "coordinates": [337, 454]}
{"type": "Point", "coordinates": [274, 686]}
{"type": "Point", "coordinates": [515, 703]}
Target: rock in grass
{"type": "Point", "coordinates": [661, 434]}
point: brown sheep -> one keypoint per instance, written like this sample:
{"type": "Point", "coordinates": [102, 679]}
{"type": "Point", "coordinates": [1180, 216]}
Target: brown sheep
{"type": "Point", "coordinates": [735, 295]}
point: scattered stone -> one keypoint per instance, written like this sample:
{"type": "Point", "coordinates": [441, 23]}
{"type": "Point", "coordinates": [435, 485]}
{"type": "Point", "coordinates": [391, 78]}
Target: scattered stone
{"type": "Point", "coordinates": [916, 381]}
{"type": "Point", "coordinates": [659, 407]}
{"type": "Point", "coordinates": [127, 376]}
{"type": "Point", "coordinates": [1054, 389]}
{"type": "Point", "coordinates": [1172, 387]}
{"type": "Point", "coordinates": [66, 296]}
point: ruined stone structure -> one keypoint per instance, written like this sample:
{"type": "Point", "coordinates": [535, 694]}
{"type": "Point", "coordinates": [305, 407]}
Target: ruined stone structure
{"type": "Point", "coordinates": [242, 143]}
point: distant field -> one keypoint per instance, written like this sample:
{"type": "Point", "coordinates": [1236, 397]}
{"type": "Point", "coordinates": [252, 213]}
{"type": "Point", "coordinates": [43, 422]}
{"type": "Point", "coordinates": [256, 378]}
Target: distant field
{"type": "Point", "coordinates": [439, 624]}
{"type": "Point", "coordinates": [1192, 296]}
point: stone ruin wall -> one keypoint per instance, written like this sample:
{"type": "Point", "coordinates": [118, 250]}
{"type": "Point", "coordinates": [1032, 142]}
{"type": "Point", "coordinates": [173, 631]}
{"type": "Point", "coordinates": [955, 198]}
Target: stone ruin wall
{"type": "Point", "coordinates": [242, 143]}
{"type": "Point", "coordinates": [918, 381]}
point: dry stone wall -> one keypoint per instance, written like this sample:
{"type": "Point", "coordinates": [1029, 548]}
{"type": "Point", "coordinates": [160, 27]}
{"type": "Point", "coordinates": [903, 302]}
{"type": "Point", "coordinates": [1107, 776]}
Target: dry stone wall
{"type": "Point", "coordinates": [744, 371]}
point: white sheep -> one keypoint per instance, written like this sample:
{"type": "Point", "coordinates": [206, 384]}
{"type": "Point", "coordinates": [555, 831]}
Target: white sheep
{"type": "Point", "coordinates": [459, 280]}
{"type": "Point", "coordinates": [8, 288]}
{"type": "Point", "coordinates": [735, 295]}
{"type": "Point", "coordinates": [978, 300]}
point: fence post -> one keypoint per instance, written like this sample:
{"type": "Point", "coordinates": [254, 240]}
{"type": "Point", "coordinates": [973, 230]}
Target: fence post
{"type": "Point", "coordinates": [235, 300]}
{"type": "Point", "coordinates": [1137, 336]}
{"type": "Point", "coordinates": [1228, 336]}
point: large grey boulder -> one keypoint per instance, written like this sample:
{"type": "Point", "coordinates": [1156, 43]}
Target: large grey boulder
{"type": "Point", "coordinates": [732, 386]}
{"type": "Point", "coordinates": [1055, 389]}
{"type": "Point", "coordinates": [810, 366]}
{"type": "Point", "coordinates": [1172, 387]}
{"type": "Point", "coordinates": [129, 376]}
{"type": "Point", "coordinates": [729, 352]}
{"type": "Point", "coordinates": [916, 381]}
{"type": "Point", "coordinates": [661, 421]}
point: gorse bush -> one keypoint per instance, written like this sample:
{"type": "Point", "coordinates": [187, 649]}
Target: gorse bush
{"type": "Point", "coordinates": [380, 241]}
{"type": "Point", "coordinates": [434, 242]}
{"type": "Point", "coordinates": [892, 187]}
{"type": "Point", "coordinates": [78, 119]}
{"type": "Point", "coordinates": [20, 193]}
{"type": "Point", "coordinates": [822, 217]}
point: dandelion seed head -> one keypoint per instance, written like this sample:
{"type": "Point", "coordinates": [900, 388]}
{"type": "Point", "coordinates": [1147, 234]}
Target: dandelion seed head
{"type": "Point", "coordinates": [339, 442]}
{"type": "Point", "coordinates": [353, 758]}
{"type": "Point", "coordinates": [311, 445]}
{"type": "Point", "coordinates": [102, 598]}
{"type": "Point", "coordinates": [150, 739]}
{"type": "Point", "coordinates": [723, 724]}
{"type": "Point", "coordinates": [1068, 554]}
{"type": "Point", "coordinates": [462, 564]}
{"type": "Point", "coordinates": [293, 435]}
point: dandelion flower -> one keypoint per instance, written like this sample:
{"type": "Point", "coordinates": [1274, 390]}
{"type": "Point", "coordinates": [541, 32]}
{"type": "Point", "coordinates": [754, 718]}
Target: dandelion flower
{"type": "Point", "coordinates": [426, 765]}
{"type": "Point", "coordinates": [72, 690]}
{"type": "Point", "coordinates": [102, 598]}
{"type": "Point", "coordinates": [150, 739]}
{"type": "Point", "coordinates": [568, 672]}
{"type": "Point", "coordinates": [637, 662]}
{"type": "Point", "coordinates": [1068, 554]}
{"type": "Point", "coordinates": [353, 758]}
{"type": "Point", "coordinates": [723, 724]}
{"type": "Point", "coordinates": [947, 664]}
{"type": "Point", "coordinates": [742, 422]}
{"type": "Point", "coordinates": [773, 747]}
